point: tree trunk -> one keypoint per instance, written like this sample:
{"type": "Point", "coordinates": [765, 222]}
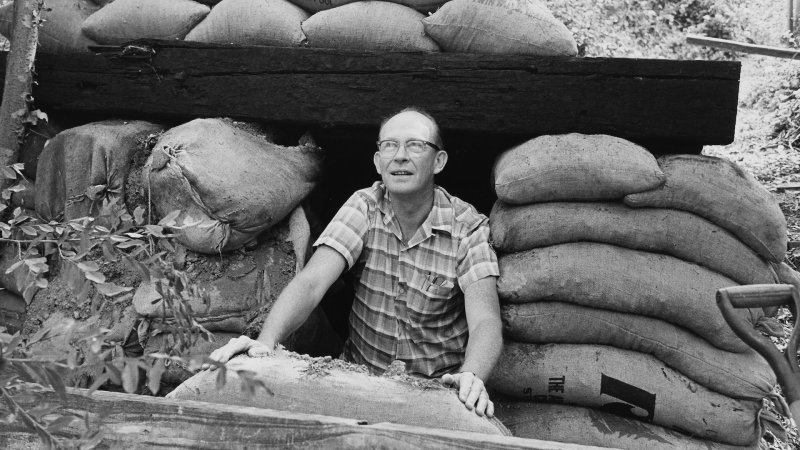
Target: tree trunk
{"type": "Point", "coordinates": [19, 74]}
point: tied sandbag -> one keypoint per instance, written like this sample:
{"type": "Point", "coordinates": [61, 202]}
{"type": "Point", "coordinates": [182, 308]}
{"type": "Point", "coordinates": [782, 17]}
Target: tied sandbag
{"type": "Point", "coordinates": [574, 167]}
{"type": "Point", "coordinates": [252, 22]}
{"type": "Point", "coordinates": [336, 388]}
{"type": "Point", "coordinates": [615, 278]}
{"type": "Point", "coordinates": [722, 192]}
{"type": "Point", "coordinates": [369, 25]}
{"type": "Point", "coordinates": [229, 183]}
{"type": "Point", "coordinates": [677, 233]}
{"type": "Point", "coordinates": [176, 372]}
{"type": "Point", "coordinates": [524, 27]}
{"type": "Point", "coordinates": [241, 287]}
{"type": "Point", "coordinates": [60, 31]}
{"type": "Point", "coordinates": [126, 20]}
{"type": "Point", "coordinates": [586, 426]}
{"type": "Point", "coordinates": [82, 167]}
{"type": "Point", "coordinates": [321, 5]}
{"type": "Point", "coordinates": [739, 375]}
{"type": "Point", "coordinates": [626, 383]}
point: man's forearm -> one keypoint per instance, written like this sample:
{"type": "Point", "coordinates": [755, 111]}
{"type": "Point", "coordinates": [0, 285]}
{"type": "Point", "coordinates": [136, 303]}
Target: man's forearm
{"type": "Point", "coordinates": [290, 310]}
{"type": "Point", "coordinates": [483, 348]}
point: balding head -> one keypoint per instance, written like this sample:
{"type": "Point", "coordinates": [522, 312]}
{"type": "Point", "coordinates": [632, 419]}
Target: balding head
{"type": "Point", "coordinates": [414, 113]}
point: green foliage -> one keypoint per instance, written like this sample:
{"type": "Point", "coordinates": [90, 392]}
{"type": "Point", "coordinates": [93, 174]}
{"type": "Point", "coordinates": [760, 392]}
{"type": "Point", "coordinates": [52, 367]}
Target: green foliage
{"type": "Point", "coordinates": [651, 28]}
{"type": "Point", "coordinates": [80, 248]}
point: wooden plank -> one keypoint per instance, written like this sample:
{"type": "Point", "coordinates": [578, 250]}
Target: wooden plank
{"type": "Point", "coordinates": [134, 421]}
{"type": "Point", "coordinates": [682, 102]}
{"type": "Point", "coordinates": [743, 47]}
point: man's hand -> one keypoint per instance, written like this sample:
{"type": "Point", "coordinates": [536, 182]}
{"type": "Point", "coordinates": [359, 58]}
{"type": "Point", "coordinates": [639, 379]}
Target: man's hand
{"type": "Point", "coordinates": [471, 392]}
{"type": "Point", "coordinates": [238, 345]}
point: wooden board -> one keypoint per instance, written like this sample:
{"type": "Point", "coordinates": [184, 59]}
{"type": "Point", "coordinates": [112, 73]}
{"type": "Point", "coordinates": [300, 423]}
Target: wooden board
{"type": "Point", "coordinates": [678, 102]}
{"type": "Point", "coordinates": [134, 421]}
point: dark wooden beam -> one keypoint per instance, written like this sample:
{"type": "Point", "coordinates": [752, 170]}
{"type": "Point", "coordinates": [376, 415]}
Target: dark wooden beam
{"type": "Point", "coordinates": [683, 103]}
{"type": "Point", "coordinates": [135, 421]}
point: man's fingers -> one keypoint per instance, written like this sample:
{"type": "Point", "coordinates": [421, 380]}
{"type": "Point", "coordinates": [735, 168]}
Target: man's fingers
{"type": "Point", "coordinates": [227, 351]}
{"type": "Point", "coordinates": [490, 409]}
{"type": "Point", "coordinates": [483, 404]}
{"type": "Point", "coordinates": [465, 384]}
{"type": "Point", "coordinates": [449, 379]}
{"type": "Point", "coordinates": [475, 391]}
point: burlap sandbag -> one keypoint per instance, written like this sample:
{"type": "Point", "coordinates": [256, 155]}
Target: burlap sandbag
{"type": "Point", "coordinates": [240, 286]}
{"type": "Point", "coordinates": [722, 192]}
{"type": "Point", "coordinates": [574, 167]}
{"type": "Point", "coordinates": [627, 383]}
{"type": "Point", "coordinates": [321, 5]}
{"type": "Point", "coordinates": [586, 426]}
{"type": "Point", "coordinates": [369, 25]}
{"type": "Point", "coordinates": [739, 375]}
{"type": "Point", "coordinates": [60, 31]}
{"type": "Point", "coordinates": [230, 183]}
{"type": "Point", "coordinates": [499, 26]}
{"type": "Point", "coordinates": [677, 233]}
{"type": "Point", "coordinates": [83, 166]}
{"type": "Point", "coordinates": [336, 388]}
{"type": "Point", "coordinates": [619, 279]}
{"type": "Point", "coordinates": [125, 20]}
{"type": "Point", "coordinates": [252, 22]}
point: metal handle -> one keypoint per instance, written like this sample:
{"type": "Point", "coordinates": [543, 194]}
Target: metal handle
{"type": "Point", "coordinates": [760, 295]}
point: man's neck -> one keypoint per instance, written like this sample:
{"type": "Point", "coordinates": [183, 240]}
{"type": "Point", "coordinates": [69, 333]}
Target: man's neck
{"type": "Point", "coordinates": [411, 210]}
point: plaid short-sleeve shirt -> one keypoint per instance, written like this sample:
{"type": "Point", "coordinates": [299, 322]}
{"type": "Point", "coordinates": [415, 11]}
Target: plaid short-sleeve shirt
{"type": "Point", "coordinates": [409, 300]}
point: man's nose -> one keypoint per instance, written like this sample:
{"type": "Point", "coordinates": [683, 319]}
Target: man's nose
{"type": "Point", "coordinates": [401, 153]}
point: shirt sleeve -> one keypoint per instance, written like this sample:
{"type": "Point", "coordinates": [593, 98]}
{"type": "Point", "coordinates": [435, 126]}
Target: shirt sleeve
{"type": "Point", "coordinates": [476, 257]}
{"type": "Point", "coordinates": [347, 230]}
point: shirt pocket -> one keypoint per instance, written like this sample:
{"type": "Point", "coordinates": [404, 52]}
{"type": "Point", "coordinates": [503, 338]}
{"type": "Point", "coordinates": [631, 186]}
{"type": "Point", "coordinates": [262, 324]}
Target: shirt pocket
{"type": "Point", "coordinates": [431, 296]}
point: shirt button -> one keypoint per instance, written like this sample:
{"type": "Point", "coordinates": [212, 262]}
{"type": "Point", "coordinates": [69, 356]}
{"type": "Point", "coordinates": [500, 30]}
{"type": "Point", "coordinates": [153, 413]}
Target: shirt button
{"type": "Point", "coordinates": [402, 290]}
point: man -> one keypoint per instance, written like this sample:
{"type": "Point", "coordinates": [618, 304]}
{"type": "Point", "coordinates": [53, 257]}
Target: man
{"type": "Point", "coordinates": [426, 273]}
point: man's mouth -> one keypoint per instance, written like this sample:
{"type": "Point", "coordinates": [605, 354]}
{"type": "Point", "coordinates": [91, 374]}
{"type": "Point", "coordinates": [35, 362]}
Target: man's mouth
{"type": "Point", "coordinates": [400, 172]}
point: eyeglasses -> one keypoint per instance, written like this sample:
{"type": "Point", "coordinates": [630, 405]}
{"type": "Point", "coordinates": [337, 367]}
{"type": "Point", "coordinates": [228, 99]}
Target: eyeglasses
{"type": "Point", "coordinates": [414, 146]}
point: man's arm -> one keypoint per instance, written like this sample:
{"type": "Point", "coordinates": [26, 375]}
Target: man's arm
{"type": "Point", "coordinates": [485, 328]}
{"type": "Point", "coordinates": [292, 307]}
{"type": "Point", "coordinates": [483, 347]}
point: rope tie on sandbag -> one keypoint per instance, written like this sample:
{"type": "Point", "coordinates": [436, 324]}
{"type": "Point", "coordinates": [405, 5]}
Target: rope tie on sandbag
{"type": "Point", "coordinates": [171, 162]}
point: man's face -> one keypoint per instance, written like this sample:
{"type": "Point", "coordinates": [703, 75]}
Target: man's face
{"type": "Point", "coordinates": [404, 172]}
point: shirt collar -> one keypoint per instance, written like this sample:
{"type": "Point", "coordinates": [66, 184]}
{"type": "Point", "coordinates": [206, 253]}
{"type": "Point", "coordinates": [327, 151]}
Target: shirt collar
{"type": "Point", "coordinates": [440, 218]}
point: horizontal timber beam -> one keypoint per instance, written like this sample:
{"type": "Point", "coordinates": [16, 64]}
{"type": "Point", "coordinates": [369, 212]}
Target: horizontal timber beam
{"type": "Point", "coordinates": [681, 102]}
{"type": "Point", "coordinates": [136, 421]}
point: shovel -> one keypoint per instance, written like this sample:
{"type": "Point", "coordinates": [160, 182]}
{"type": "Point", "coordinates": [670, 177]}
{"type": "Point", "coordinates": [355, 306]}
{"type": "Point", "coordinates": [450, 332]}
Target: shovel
{"type": "Point", "coordinates": [758, 296]}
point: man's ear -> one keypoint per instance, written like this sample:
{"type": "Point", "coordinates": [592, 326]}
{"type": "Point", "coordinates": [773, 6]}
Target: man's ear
{"type": "Point", "coordinates": [376, 159]}
{"type": "Point", "coordinates": [441, 161]}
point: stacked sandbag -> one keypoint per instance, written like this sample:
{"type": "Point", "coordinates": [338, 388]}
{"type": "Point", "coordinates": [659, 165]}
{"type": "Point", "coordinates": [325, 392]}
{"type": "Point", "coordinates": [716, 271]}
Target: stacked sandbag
{"type": "Point", "coordinates": [321, 5]}
{"type": "Point", "coordinates": [229, 182]}
{"type": "Point", "coordinates": [252, 22]}
{"type": "Point", "coordinates": [586, 426]}
{"type": "Point", "coordinates": [125, 20]}
{"type": "Point", "coordinates": [612, 307]}
{"type": "Point", "coordinates": [84, 167]}
{"type": "Point", "coordinates": [337, 388]}
{"type": "Point", "coordinates": [241, 286]}
{"type": "Point", "coordinates": [523, 27]}
{"type": "Point", "coordinates": [60, 30]}
{"type": "Point", "coordinates": [241, 289]}
{"type": "Point", "coordinates": [369, 25]}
